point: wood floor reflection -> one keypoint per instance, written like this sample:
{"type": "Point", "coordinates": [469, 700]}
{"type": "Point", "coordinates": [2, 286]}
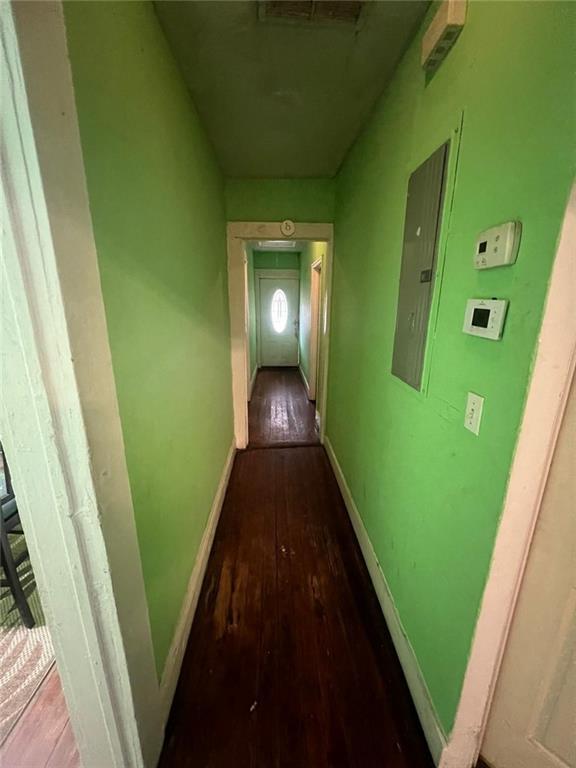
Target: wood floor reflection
{"type": "Point", "coordinates": [279, 412]}
{"type": "Point", "coordinates": [289, 663]}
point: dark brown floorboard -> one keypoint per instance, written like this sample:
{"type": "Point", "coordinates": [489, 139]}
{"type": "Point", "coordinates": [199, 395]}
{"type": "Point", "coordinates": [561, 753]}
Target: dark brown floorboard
{"type": "Point", "coordinates": [42, 737]}
{"type": "Point", "coordinates": [289, 662]}
{"type": "Point", "coordinates": [279, 412]}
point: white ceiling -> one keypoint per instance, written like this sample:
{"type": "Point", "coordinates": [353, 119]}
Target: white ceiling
{"type": "Point", "coordinates": [285, 99]}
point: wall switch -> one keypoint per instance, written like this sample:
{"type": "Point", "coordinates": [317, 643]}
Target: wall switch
{"type": "Point", "coordinates": [473, 414]}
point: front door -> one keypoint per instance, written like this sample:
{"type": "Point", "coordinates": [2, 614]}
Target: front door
{"type": "Point", "coordinates": [278, 321]}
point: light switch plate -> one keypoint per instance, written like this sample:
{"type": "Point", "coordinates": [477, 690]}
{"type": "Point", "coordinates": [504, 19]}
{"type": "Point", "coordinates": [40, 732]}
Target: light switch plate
{"type": "Point", "coordinates": [473, 415]}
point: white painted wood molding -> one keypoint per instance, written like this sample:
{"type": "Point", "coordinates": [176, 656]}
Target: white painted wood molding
{"type": "Point", "coordinates": [239, 343]}
{"type": "Point", "coordinates": [416, 683]}
{"type": "Point", "coordinates": [253, 381]}
{"type": "Point", "coordinates": [59, 414]}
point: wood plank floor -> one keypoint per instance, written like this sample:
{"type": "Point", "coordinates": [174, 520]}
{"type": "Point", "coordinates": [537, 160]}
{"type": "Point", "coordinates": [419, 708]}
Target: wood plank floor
{"type": "Point", "coordinates": [42, 737]}
{"type": "Point", "coordinates": [279, 412]}
{"type": "Point", "coordinates": [289, 662]}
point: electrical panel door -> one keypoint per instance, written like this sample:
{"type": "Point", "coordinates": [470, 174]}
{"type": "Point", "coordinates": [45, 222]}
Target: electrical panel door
{"type": "Point", "coordinates": [421, 230]}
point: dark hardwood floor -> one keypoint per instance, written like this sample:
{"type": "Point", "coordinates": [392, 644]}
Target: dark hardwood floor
{"type": "Point", "coordinates": [289, 662]}
{"type": "Point", "coordinates": [279, 412]}
{"type": "Point", "coordinates": [42, 737]}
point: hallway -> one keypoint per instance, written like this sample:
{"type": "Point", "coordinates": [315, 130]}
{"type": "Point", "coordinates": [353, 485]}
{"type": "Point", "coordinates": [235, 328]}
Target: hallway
{"type": "Point", "coordinates": [279, 412]}
{"type": "Point", "coordinates": [289, 335]}
{"type": "Point", "coordinates": [289, 662]}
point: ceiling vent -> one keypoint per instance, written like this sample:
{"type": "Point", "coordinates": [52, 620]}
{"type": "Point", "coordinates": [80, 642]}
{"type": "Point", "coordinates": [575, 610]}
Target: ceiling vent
{"type": "Point", "coordinates": [311, 11]}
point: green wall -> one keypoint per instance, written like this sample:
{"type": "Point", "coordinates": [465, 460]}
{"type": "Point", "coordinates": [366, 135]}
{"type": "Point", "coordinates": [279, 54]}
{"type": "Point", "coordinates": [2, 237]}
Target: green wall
{"type": "Point", "coordinates": [431, 493]}
{"type": "Point", "coordinates": [276, 260]}
{"type": "Point", "coordinates": [304, 200]}
{"type": "Point", "coordinates": [157, 202]}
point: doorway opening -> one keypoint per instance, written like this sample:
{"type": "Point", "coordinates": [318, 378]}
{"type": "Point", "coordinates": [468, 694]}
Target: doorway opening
{"type": "Point", "coordinates": [34, 721]}
{"type": "Point", "coordinates": [279, 289]}
{"type": "Point", "coordinates": [285, 302]}
{"type": "Point", "coordinates": [315, 325]}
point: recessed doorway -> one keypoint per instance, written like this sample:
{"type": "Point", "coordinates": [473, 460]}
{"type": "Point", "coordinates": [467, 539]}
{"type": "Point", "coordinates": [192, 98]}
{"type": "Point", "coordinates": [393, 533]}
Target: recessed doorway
{"type": "Point", "coordinates": [275, 322]}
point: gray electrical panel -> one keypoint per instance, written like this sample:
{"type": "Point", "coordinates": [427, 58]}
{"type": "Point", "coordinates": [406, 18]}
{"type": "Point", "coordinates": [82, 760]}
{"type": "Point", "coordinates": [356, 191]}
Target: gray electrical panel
{"type": "Point", "coordinates": [421, 230]}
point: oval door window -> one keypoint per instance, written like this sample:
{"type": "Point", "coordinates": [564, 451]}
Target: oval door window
{"type": "Point", "coordinates": [279, 310]}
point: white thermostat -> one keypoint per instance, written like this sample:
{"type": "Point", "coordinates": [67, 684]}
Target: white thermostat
{"type": "Point", "coordinates": [485, 317]}
{"type": "Point", "coordinates": [498, 246]}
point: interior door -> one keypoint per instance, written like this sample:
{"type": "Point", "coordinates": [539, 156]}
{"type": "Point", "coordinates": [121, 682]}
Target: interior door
{"type": "Point", "coordinates": [532, 722]}
{"type": "Point", "coordinates": [278, 321]}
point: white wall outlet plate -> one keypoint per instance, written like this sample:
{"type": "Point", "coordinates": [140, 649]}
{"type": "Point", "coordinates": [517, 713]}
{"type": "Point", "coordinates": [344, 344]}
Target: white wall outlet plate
{"type": "Point", "coordinates": [498, 246]}
{"type": "Point", "coordinates": [473, 415]}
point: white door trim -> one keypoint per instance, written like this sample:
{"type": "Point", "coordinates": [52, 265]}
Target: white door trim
{"type": "Point", "coordinates": [553, 370]}
{"type": "Point", "coordinates": [58, 413]}
{"type": "Point", "coordinates": [315, 306]}
{"type": "Point", "coordinates": [238, 232]}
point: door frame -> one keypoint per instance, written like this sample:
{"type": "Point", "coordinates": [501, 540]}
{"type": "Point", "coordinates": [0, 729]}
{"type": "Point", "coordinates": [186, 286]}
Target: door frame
{"type": "Point", "coordinates": [238, 232]}
{"type": "Point", "coordinates": [59, 414]}
{"type": "Point", "coordinates": [270, 274]}
{"type": "Point", "coordinates": [316, 274]}
{"type": "Point", "coordinates": [554, 366]}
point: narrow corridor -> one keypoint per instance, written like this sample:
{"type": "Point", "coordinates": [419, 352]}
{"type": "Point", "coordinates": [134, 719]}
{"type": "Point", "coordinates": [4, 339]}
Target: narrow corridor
{"type": "Point", "coordinates": [279, 412]}
{"type": "Point", "coordinates": [289, 662]}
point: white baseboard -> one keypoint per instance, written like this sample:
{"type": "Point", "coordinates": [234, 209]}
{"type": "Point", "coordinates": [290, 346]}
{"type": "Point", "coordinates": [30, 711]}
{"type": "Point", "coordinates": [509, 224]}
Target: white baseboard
{"type": "Point", "coordinates": [416, 683]}
{"type": "Point", "coordinates": [173, 664]}
{"type": "Point", "coordinates": [252, 382]}
{"type": "Point", "coordinates": [305, 380]}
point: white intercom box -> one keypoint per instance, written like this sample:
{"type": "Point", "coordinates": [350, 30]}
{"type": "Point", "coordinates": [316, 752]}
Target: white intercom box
{"type": "Point", "coordinates": [498, 246]}
{"type": "Point", "coordinates": [485, 317]}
